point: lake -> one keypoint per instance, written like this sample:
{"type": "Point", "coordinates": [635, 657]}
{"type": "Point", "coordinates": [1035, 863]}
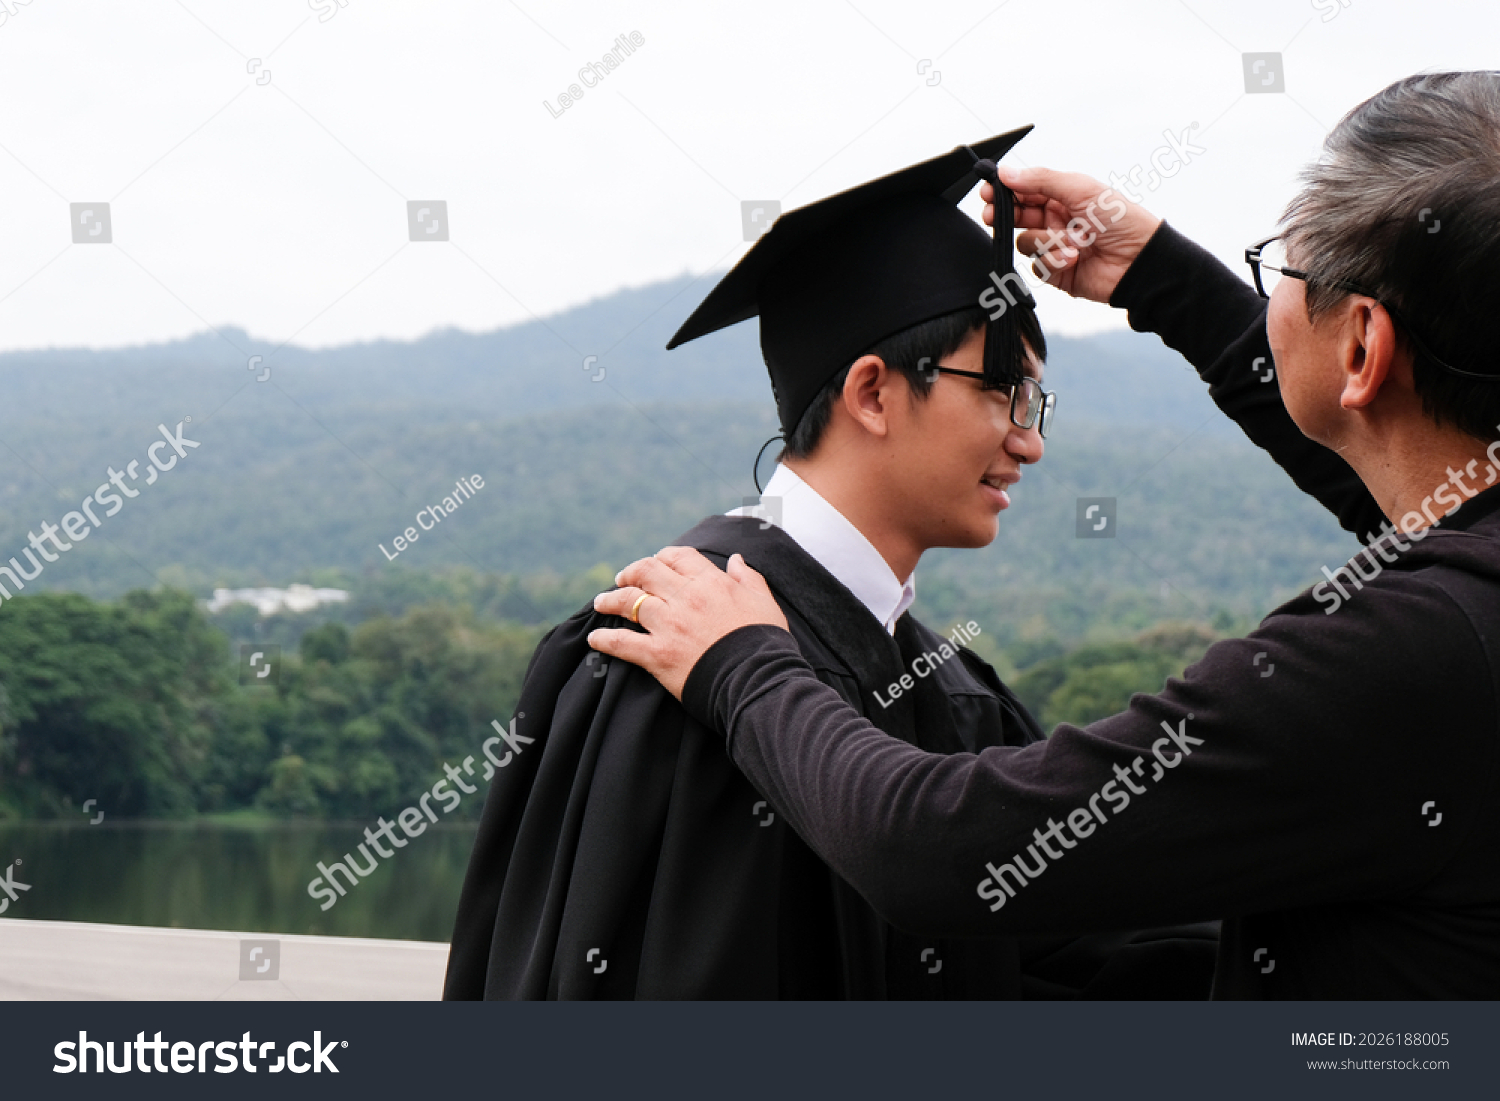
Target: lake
{"type": "Point", "coordinates": [252, 878]}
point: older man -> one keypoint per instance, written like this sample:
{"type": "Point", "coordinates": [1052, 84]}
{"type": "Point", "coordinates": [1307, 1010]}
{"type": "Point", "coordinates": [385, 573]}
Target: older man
{"type": "Point", "coordinates": [1330, 785]}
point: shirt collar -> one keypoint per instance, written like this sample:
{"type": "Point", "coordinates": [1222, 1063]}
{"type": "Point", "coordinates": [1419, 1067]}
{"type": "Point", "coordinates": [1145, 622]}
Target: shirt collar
{"type": "Point", "coordinates": [1469, 513]}
{"type": "Point", "coordinates": [835, 544]}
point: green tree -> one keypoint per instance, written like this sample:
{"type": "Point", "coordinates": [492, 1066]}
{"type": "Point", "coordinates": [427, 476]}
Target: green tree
{"type": "Point", "coordinates": [1097, 680]}
{"type": "Point", "coordinates": [108, 702]}
{"type": "Point", "coordinates": [368, 717]}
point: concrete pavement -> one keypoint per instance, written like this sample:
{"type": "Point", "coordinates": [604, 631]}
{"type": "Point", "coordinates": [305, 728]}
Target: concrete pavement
{"type": "Point", "coordinates": [66, 960]}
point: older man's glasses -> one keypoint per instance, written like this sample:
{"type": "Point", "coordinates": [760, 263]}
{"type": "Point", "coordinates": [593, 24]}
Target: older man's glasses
{"type": "Point", "coordinates": [1268, 263]}
{"type": "Point", "coordinates": [1029, 403]}
{"type": "Point", "coordinates": [1267, 260]}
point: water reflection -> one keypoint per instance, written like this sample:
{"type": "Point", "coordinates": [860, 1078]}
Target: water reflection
{"type": "Point", "coordinates": [244, 877]}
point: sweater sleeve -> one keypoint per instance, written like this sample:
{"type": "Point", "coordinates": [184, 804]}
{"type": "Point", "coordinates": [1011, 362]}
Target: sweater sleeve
{"type": "Point", "coordinates": [1202, 310]}
{"type": "Point", "coordinates": [1285, 769]}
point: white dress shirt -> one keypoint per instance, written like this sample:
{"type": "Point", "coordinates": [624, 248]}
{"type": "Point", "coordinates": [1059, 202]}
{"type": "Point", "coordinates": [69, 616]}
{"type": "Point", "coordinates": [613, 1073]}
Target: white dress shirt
{"type": "Point", "coordinates": [836, 545]}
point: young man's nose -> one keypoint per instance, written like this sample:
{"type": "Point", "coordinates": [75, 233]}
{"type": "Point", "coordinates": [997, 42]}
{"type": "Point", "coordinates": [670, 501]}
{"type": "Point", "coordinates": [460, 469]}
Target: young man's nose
{"type": "Point", "coordinates": [1025, 444]}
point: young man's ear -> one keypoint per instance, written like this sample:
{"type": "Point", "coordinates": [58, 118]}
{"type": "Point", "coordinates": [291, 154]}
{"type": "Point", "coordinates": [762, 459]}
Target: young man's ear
{"type": "Point", "coordinates": [869, 394]}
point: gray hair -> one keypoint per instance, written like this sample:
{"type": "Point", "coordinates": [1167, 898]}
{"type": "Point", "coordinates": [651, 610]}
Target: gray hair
{"type": "Point", "coordinates": [1404, 204]}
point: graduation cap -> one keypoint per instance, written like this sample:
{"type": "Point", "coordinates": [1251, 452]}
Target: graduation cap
{"type": "Point", "coordinates": [832, 279]}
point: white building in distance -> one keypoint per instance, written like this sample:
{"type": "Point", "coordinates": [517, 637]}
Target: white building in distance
{"type": "Point", "coordinates": [294, 598]}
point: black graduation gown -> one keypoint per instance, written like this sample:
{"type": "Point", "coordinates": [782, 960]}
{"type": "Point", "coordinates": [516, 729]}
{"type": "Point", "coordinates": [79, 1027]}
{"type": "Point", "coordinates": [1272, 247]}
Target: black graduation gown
{"type": "Point", "coordinates": [622, 854]}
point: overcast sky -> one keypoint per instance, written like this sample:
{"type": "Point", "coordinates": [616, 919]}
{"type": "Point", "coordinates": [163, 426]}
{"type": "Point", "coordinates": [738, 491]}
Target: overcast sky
{"type": "Point", "coordinates": [279, 203]}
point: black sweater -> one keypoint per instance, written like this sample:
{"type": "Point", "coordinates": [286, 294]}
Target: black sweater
{"type": "Point", "coordinates": [1328, 785]}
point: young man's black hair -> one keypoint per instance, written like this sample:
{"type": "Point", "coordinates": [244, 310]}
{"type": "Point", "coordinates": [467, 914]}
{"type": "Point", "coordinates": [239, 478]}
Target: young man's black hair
{"type": "Point", "coordinates": [927, 341]}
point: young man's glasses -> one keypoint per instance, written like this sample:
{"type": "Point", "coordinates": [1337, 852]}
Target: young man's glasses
{"type": "Point", "coordinates": [1029, 403]}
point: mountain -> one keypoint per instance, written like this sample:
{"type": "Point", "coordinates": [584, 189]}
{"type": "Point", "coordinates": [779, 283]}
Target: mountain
{"type": "Point", "coordinates": [309, 474]}
{"type": "Point", "coordinates": [526, 369]}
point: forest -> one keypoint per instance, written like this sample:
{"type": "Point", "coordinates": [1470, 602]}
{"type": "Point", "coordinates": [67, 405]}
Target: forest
{"type": "Point", "coordinates": [137, 704]}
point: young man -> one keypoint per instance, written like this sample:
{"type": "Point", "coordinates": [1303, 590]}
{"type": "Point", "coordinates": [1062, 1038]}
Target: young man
{"type": "Point", "coordinates": [621, 853]}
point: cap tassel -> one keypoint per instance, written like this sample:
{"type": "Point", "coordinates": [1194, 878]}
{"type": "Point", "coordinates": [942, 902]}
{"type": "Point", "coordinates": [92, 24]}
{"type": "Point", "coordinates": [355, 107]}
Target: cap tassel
{"type": "Point", "coordinates": [1004, 350]}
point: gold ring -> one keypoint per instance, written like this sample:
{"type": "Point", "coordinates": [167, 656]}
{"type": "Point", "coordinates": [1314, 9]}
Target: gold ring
{"type": "Point", "coordinates": [635, 608]}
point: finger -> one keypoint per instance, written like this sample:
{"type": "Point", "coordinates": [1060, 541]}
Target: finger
{"type": "Point", "coordinates": [1031, 198]}
{"type": "Point", "coordinates": [622, 602]}
{"type": "Point", "coordinates": [1051, 269]}
{"type": "Point", "coordinates": [741, 571]}
{"type": "Point", "coordinates": [1039, 243]}
{"type": "Point", "coordinates": [687, 561]}
{"type": "Point", "coordinates": [1062, 197]}
{"type": "Point", "coordinates": [1072, 189]}
{"type": "Point", "coordinates": [631, 646]}
{"type": "Point", "coordinates": [617, 601]}
{"type": "Point", "coordinates": [1031, 217]}
{"type": "Point", "coordinates": [653, 575]}
{"type": "Point", "coordinates": [1058, 215]}
{"type": "Point", "coordinates": [1027, 210]}
{"type": "Point", "coordinates": [619, 577]}
{"type": "Point", "coordinates": [1075, 233]}
{"type": "Point", "coordinates": [1022, 216]}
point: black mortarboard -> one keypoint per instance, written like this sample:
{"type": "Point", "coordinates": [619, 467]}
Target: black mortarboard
{"type": "Point", "coordinates": [833, 278]}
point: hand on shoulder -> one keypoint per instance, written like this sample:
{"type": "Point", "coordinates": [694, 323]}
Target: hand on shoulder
{"type": "Point", "coordinates": [686, 604]}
